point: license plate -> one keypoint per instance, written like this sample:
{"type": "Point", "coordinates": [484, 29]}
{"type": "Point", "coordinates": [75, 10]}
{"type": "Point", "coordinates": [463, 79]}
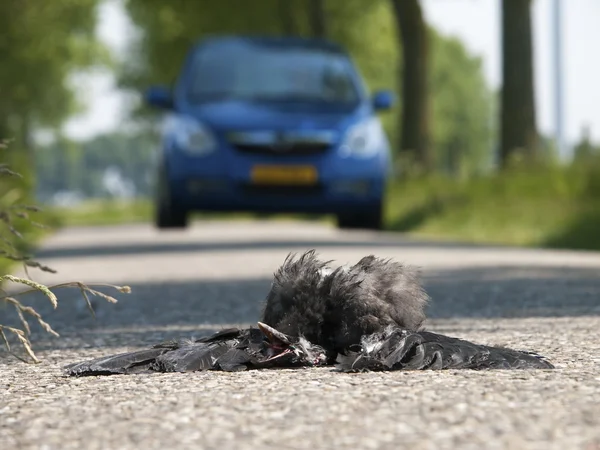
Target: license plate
{"type": "Point", "coordinates": [284, 175]}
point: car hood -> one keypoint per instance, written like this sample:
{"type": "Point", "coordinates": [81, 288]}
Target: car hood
{"type": "Point", "coordinates": [244, 115]}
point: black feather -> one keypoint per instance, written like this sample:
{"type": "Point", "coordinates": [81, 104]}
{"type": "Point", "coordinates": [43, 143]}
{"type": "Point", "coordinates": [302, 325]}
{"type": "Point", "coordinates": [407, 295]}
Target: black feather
{"type": "Point", "coordinates": [335, 308]}
{"type": "Point", "coordinates": [295, 304]}
{"type": "Point", "coordinates": [227, 350]}
{"type": "Point", "coordinates": [401, 349]}
{"type": "Point", "coordinates": [122, 363]}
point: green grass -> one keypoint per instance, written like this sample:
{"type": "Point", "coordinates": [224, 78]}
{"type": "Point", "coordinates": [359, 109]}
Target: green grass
{"type": "Point", "coordinates": [104, 212]}
{"type": "Point", "coordinates": [31, 236]}
{"type": "Point", "coordinates": [113, 212]}
{"type": "Point", "coordinates": [551, 207]}
{"type": "Point", "coordinates": [22, 227]}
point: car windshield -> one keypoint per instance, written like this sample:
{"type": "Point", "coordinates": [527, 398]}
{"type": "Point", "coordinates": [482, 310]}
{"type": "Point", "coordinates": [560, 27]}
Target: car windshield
{"type": "Point", "coordinates": [272, 73]}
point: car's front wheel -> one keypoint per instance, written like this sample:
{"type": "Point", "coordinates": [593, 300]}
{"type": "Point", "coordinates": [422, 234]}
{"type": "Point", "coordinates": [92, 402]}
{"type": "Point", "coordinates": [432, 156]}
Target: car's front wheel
{"type": "Point", "coordinates": [166, 213]}
{"type": "Point", "coordinates": [369, 219]}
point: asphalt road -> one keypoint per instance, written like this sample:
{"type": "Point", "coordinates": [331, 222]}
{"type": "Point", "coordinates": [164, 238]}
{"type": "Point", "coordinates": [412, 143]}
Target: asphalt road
{"type": "Point", "coordinates": [217, 274]}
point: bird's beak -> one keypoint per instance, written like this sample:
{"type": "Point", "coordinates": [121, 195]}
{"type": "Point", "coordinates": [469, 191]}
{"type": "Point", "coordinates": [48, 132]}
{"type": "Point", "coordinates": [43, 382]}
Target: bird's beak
{"type": "Point", "coordinates": [275, 337]}
{"type": "Point", "coordinates": [279, 343]}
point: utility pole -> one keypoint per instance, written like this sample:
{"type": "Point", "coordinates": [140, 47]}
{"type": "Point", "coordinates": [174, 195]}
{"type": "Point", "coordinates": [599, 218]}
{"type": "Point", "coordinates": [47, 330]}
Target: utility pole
{"type": "Point", "coordinates": [558, 80]}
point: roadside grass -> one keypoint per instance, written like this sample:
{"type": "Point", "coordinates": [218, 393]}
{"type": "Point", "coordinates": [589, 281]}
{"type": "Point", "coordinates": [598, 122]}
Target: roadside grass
{"type": "Point", "coordinates": [31, 237]}
{"type": "Point", "coordinates": [103, 212]}
{"type": "Point", "coordinates": [22, 226]}
{"type": "Point", "coordinates": [97, 212]}
{"type": "Point", "coordinates": [545, 207]}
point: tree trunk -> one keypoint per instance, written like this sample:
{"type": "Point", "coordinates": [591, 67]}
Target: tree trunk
{"type": "Point", "coordinates": [26, 143]}
{"type": "Point", "coordinates": [3, 133]}
{"type": "Point", "coordinates": [5, 136]}
{"type": "Point", "coordinates": [286, 16]}
{"type": "Point", "coordinates": [518, 129]}
{"type": "Point", "coordinates": [414, 139]}
{"type": "Point", "coordinates": [318, 21]}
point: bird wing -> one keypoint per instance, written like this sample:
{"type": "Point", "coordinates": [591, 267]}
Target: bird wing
{"type": "Point", "coordinates": [176, 356]}
{"type": "Point", "coordinates": [400, 349]}
{"type": "Point", "coordinates": [193, 357]}
{"type": "Point", "coordinates": [122, 363]}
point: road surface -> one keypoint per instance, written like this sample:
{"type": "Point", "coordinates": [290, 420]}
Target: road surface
{"type": "Point", "coordinates": [217, 274]}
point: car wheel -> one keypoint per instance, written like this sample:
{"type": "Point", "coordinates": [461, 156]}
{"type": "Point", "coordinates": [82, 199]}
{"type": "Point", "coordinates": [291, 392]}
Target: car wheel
{"type": "Point", "coordinates": [167, 215]}
{"type": "Point", "coordinates": [369, 219]}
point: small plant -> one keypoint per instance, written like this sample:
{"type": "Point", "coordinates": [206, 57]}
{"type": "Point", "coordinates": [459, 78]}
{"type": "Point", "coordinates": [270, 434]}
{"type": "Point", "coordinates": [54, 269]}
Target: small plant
{"type": "Point", "coordinates": [10, 211]}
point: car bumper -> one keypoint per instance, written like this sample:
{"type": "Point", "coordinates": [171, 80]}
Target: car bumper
{"type": "Point", "coordinates": [223, 195]}
{"type": "Point", "coordinates": [342, 187]}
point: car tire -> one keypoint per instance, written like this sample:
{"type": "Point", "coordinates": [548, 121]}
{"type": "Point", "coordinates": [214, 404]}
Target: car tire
{"type": "Point", "coordinates": [368, 219]}
{"type": "Point", "coordinates": [167, 215]}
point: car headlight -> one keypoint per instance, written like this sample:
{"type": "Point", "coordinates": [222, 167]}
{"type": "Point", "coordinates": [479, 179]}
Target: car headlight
{"type": "Point", "coordinates": [364, 140]}
{"type": "Point", "coordinates": [191, 136]}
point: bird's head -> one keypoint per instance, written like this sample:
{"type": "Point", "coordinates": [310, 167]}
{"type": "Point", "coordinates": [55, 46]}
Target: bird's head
{"type": "Point", "coordinates": [282, 348]}
{"type": "Point", "coordinates": [295, 304]}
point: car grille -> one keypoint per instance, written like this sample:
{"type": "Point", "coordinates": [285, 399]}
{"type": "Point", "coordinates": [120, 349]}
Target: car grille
{"type": "Point", "coordinates": [281, 191]}
{"type": "Point", "coordinates": [282, 143]}
{"type": "Point", "coordinates": [290, 149]}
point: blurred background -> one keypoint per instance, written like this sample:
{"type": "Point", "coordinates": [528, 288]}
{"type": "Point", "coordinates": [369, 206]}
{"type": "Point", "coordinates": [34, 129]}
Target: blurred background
{"type": "Point", "coordinates": [495, 134]}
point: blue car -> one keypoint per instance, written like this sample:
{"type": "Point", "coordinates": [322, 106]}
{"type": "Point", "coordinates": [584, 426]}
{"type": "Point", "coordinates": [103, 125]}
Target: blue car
{"type": "Point", "coordinates": [271, 125]}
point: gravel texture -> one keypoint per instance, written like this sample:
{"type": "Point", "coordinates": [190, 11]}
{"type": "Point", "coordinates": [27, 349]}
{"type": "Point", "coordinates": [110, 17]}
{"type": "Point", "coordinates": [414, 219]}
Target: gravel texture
{"type": "Point", "coordinates": [216, 274]}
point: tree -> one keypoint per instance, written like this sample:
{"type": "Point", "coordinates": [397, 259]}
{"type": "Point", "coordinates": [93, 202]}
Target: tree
{"type": "Point", "coordinates": [415, 71]}
{"type": "Point", "coordinates": [584, 151]}
{"type": "Point", "coordinates": [462, 107]}
{"type": "Point", "coordinates": [518, 133]}
{"type": "Point", "coordinates": [41, 45]}
{"type": "Point", "coordinates": [286, 17]}
{"type": "Point", "coordinates": [318, 19]}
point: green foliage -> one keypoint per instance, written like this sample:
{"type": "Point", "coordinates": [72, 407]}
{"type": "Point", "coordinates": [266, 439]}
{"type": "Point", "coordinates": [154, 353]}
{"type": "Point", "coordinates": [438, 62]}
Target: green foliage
{"type": "Point", "coordinates": [105, 212]}
{"type": "Point", "coordinates": [548, 206]}
{"type": "Point", "coordinates": [585, 151]}
{"type": "Point", "coordinates": [17, 229]}
{"type": "Point", "coordinates": [462, 107]}
{"type": "Point", "coordinates": [41, 43]}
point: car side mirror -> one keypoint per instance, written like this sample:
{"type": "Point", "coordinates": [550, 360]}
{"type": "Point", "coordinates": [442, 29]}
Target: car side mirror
{"type": "Point", "coordinates": [383, 100]}
{"type": "Point", "coordinates": [159, 96]}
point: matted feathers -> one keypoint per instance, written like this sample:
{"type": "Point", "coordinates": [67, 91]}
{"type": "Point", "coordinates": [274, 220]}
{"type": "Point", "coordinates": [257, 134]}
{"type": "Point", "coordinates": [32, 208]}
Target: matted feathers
{"type": "Point", "coordinates": [334, 308]}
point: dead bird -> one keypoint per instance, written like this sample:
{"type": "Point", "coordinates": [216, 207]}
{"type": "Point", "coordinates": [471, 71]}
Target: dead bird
{"type": "Point", "coordinates": [366, 316]}
{"type": "Point", "coordinates": [335, 308]}
{"type": "Point", "coordinates": [370, 316]}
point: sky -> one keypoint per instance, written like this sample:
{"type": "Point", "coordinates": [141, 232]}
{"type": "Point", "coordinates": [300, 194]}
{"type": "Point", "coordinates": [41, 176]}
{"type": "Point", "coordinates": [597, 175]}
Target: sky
{"type": "Point", "coordinates": [475, 22]}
